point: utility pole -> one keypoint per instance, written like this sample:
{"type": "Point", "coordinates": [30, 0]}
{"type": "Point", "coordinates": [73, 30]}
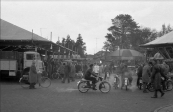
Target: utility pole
{"type": "Point", "coordinates": [96, 45]}
{"type": "Point", "coordinates": [50, 36]}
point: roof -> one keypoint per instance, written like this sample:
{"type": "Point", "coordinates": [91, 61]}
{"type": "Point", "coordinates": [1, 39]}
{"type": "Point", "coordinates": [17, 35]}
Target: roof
{"type": "Point", "coordinates": [164, 40]}
{"type": "Point", "coordinates": [13, 32]}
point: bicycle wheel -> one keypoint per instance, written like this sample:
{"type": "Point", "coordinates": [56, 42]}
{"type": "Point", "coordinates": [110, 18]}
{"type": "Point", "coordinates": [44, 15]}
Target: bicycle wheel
{"type": "Point", "coordinates": [169, 85]}
{"type": "Point", "coordinates": [81, 87]}
{"type": "Point", "coordinates": [104, 87]}
{"type": "Point", "coordinates": [150, 87]}
{"type": "Point", "coordinates": [24, 83]}
{"type": "Point", "coordinates": [55, 75]}
{"type": "Point", "coordinates": [45, 82]}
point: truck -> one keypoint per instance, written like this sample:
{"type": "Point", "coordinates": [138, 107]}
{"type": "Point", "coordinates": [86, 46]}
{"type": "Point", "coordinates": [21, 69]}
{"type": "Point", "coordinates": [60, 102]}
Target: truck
{"type": "Point", "coordinates": [14, 64]}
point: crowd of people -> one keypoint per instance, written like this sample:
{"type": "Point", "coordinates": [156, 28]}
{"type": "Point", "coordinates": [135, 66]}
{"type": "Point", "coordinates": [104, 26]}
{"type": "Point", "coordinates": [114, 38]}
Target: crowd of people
{"type": "Point", "coordinates": [151, 72]}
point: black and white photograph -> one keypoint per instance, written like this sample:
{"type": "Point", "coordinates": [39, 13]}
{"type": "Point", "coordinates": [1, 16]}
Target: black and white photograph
{"type": "Point", "coordinates": [86, 56]}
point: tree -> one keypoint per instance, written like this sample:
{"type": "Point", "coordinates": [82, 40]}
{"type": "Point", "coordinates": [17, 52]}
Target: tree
{"type": "Point", "coordinates": [165, 30]}
{"type": "Point", "coordinates": [80, 46]}
{"type": "Point", "coordinates": [123, 27]}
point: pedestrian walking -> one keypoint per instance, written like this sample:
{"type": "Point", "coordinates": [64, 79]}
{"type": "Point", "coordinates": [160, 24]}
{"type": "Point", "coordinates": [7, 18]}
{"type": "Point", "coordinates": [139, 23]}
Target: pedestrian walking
{"type": "Point", "coordinates": [85, 67]}
{"type": "Point", "coordinates": [67, 71]}
{"type": "Point", "coordinates": [32, 75]}
{"type": "Point", "coordinates": [139, 73]}
{"type": "Point", "coordinates": [73, 72]}
{"type": "Point", "coordinates": [156, 77]}
{"type": "Point", "coordinates": [106, 71]}
{"type": "Point", "coordinates": [146, 73]}
{"type": "Point", "coordinates": [61, 69]}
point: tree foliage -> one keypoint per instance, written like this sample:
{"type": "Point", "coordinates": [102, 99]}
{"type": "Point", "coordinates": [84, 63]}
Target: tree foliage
{"type": "Point", "coordinates": [126, 34]}
{"type": "Point", "coordinates": [78, 46]}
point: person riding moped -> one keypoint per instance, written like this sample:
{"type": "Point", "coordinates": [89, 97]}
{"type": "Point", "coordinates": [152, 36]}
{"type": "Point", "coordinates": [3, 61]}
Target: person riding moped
{"type": "Point", "coordinates": [89, 76]}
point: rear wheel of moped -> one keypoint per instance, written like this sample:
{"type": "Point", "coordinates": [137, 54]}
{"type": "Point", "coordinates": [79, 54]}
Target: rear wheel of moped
{"type": "Point", "coordinates": [104, 87]}
{"type": "Point", "coordinates": [82, 87]}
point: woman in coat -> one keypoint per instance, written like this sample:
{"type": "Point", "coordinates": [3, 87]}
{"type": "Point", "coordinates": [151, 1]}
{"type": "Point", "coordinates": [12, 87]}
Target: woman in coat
{"type": "Point", "coordinates": [156, 78]}
{"type": "Point", "coordinates": [32, 76]}
{"type": "Point", "coordinates": [146, 73]}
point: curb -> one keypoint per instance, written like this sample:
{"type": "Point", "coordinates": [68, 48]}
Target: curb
{"type": "Point", "coordinates": [163, 107]}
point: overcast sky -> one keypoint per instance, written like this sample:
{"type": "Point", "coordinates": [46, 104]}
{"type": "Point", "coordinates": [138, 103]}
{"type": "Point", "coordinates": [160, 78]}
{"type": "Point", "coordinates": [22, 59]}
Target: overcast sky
{"type": "Point", "coordinates": [91, 19]}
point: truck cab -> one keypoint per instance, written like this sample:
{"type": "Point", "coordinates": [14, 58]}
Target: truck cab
{"type": "Point", "coordinates": [29, 56]}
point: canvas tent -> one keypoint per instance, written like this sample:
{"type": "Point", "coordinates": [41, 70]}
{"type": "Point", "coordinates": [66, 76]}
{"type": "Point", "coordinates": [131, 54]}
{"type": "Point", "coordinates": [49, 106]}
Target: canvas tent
{"type": "Point", "coordinates": [165, 40]}
{"type": "Point", "coordinates": [163, 44]}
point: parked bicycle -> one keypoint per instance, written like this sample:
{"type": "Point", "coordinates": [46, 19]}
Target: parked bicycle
{"type": "Point", "coordinates": [43, 81]}
{"type": "Point", "coordinates": [84, 85]}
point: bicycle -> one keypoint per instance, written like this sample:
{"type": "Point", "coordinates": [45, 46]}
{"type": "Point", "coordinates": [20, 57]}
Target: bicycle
{"type": "Point", "coordinates": [57, 75]}
{"type": "Point", "coordinates": [168, 84]}
{"type": "Point", "coordinates": [44, 82]}
{"type": "Point", "coordinates": [84, 85]}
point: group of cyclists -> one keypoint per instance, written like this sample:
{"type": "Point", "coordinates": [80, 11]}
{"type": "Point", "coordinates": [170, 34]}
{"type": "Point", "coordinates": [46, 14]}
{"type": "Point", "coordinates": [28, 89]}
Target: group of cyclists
{"type": "Point", "coordinates": [152, 71]}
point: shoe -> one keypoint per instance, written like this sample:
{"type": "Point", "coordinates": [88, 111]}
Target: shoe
{"type": "Point", "coordinates": [94, 89]}
{"type": "Point", "coordinates": [162, 94]}
{"type": "Point", "coordinates": [154, 97]}
{"type": "Point", "coordinates": [145, 91]}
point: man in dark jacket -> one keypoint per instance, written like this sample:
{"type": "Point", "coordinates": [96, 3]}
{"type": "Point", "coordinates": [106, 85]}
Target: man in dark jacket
{"type": "Point", "coordinates": [67, 71]}
{"type": "Point", "coordinates": [88, 75]}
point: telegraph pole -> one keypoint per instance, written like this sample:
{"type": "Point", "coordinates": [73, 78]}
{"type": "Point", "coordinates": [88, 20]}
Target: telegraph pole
{"type": "Point", "coordinates": [96, 45]}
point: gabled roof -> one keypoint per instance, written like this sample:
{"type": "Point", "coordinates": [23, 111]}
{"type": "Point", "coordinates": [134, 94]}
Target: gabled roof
{"type": "Point", "coordinates": [13, 32]}
{"type": "Point", "coordinates": [161, 41]}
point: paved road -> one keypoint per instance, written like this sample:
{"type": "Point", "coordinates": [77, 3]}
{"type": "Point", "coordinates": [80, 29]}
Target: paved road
{"type": "Point", "coordinates": [66, 98]}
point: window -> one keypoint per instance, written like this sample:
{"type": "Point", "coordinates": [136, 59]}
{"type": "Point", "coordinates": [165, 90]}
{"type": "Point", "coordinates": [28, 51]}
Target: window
{"type": "Point", "coordinates": [30, 57]}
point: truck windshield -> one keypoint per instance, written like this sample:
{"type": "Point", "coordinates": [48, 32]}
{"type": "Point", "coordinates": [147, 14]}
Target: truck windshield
{"type": "Point", "coordinates": [30, 57]}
